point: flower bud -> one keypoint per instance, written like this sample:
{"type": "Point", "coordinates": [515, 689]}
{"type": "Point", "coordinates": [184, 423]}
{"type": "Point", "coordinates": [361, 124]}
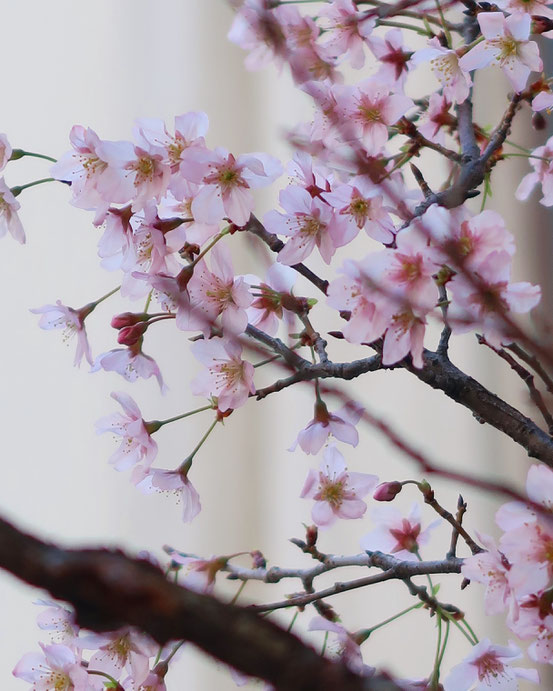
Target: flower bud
{"type": "Point", "coordinates": [538, 122]}
{"type": "Point", "coordinates": [258, 560]}
{"type": "Point", "coordinates": [311, 535]}
{"type": "Point", "coordinates": [541, 24]}
{"type": "Point", "coordinates": [184, 276]}
{"type": "Point", "coordinates": [128, 319]}
{"type": "Point", "coordinates": [387, 491]}
{"type": "Point", "coordinates": [130, 335]}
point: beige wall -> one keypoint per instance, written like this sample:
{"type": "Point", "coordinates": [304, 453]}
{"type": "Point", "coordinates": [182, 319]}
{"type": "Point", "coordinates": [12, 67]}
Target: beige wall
{"type": "Point", "coordinates": [102, 64]}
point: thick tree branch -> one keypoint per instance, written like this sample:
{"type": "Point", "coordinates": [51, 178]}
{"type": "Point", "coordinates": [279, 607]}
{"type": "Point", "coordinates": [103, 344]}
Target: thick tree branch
{"type": "Point", "coordinates": [109, 590]}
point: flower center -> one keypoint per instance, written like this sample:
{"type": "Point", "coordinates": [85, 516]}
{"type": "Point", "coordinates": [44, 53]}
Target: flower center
{"type": "Point", "coordinates": [489, 666]}
{"type": "Point", "coordinates": [332, 492]}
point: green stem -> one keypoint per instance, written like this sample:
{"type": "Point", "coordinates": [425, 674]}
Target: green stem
{"type": "Point", "coordinates": [402, 25]}
{"type": "Point", "coordinates": [215, 240]}
{"type": "Point", "coordinates": [291, 625]}
{"type": "Point", "coordinates": [16, 191]}
{"type": "Point", "coordinates": [517, 146]}
{"type": "Point", "coordinates": [173, 652]}
{"type": "Point", "coordinates": [148, 300]}
{"type": "Point", "coordinates": [103, 674]}
{"type": "Point", "coordinates": [106, 296]}
{"type": "Point", "coordinates": [365, 633]}
{"type": "Point", "coordinates": [487, 192]}
{"type": "Point", "coordinates": [323, 649]}
{"type": "Point", "coordinates": [470, 629]}
{"type": "Point", "coordinates": [19, 153]}
{"type": "Point", "coordinates": [189, 458]}
{"type": "Point", "coordinates": [446, 637]}
{"type": "Point", "coordinates": [435, 678]}
{"type": "Point", "coordinates": [181, 417]}
{"type": "Point", "coordinates": [454, 621]}
{"type": "Point", "coordinates": [238, 592]}
{"type": "Point", "coordinates": [540, 158]}
{"type": "Point", "coordinates": [444, 24]}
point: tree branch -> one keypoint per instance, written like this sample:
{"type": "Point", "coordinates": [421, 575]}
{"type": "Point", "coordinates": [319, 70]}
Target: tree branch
{"type": "Point", "coordinates": [109, 590]}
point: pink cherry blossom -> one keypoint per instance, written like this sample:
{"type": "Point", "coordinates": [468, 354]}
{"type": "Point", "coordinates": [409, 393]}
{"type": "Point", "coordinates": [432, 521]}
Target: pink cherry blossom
{"type": "Point", "coordinates": [436, 118]}
{"type": "Point", "coordinates": [175, 482]}
{"type": "Point", "coordinates": [309, 222]}
{"type": "Point", "coordinates": [152, 683]}
{"type": "Point", "coordinates": [58, 667]}
{"type": "Point", "coordinates": [71, 322]}
{"type": "Point", "coordinates": [137, 444]}
{"type": "Point", "coordinates": [9, 219]}
{"type": "Point", "coordinates": [542, 163]}
{"type": "Point", "coordinates": [178, 204]}
{"type": "Point", "coordinates": [491, 568]}
{"type": "Point", "coordinates": [94, 182]}
{"type": "Point", "coordinates": [131, 363]}
{"type": "Point", "coordinates": [5, 151]}
{"type": "Point", "coordinates": [446, 66]}
{"type": "Point", "coordinates": [227, 183]}
{"type": "Point", "coordinates": [479, 303]}
{"type": "Point", "coordinates": [539, 488]}
{"type": "Point", "coordinates": [256, 28]}
{"type": "Point", "coordinates": [397, 535]}
{"type": "Point", "coordinates": [488, 666]}
{"type": "Point", "coordinates": [369, 109]}
{"type": "Point", "coordinates": [190, 130]}
{"type": "Point", "coordinates": [395, 62]}
{"type": "Point", "coordinates": [227, 376]}
{"type": "Point", "coordinates": [531, 7]}
{"type": "Point", "coordinates": [345, 647]}
{"type": "Point", "coordinates": [198, 574]}
{"type": "Point", "coordinates": [116, 240]}
{"type": "Point", "coordinates": [126, 649]}
{"type": "Point", "coordinates": [346, 31]}
{"type": "Point", "coordinates": [219, 292]}
{"type": "Point", "coordinates": [530, 548]}
{"type": "Point", "coordinates": [337, 492]}
{"type": "Point", "coordinates": [505, 44]}
{"type": "Point", "coordinates": [340, 425]}
{"type": "Point", "coordinates": [361, 205]}
{"type": "Point", "coordinates": [267, 308]}
{"type": "Point", "coordinates": [542, 101]}
{"type": "Point", "coordinates": [59, 621]}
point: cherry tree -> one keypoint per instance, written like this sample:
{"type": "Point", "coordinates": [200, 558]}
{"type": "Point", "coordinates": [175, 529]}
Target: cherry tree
{"type": "Point", "coordinates": [169, 207]}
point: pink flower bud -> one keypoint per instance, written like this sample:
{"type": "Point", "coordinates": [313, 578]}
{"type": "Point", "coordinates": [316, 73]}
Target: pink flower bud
{"type": "Point", "coordinates": [130, 335]}
{"type": "Point", "coordinates": [128, 319]}
{"type": "Point", "coordinates": [387, 491]}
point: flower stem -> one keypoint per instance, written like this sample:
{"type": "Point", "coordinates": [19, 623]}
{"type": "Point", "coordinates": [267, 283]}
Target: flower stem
{"type": "Point", "coordinates": [188, 460]}
{"type": "Point", "coordinates": [181, 417]}
{"type": "Point", "coordinates": [106, 296]}
{"type": "Point", "coordinates": [238, 592]}
{"type": "Point", "coordinates": [365, 633]}
{"type": "Point", "coordinates": [16, 191]}
{"type": "Point", "coordinates": [215, 240]}
{"type": "Point", "coordinates": [20, 153]}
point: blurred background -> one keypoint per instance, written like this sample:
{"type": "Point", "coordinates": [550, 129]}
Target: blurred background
{"type": "Point", "coordinates": [101, 65]}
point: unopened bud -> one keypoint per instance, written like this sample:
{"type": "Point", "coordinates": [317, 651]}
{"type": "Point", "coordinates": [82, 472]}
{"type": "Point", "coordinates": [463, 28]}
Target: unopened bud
{"type": "Point", "coordinates": [387, 491]}
{"type": "Point", "coordinates": [541, 24]}
{"type": "Point", "coordinates": [538, 122]}
{"type": "Point", "coordinates": [258, 560]}
{"type": "Point", "coordinates": [311, 535]}
{"type": "Point", "coordinates": [130, 335]}
{"type": "Point", "coordinates": [128, 319]}
{"type": "Point", "coordinates": [184, 276]}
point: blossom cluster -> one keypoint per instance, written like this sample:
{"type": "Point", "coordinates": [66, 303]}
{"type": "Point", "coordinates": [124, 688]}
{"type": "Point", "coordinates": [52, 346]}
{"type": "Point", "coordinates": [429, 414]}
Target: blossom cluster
{"type": "Point", "coordinates": [171, 209]}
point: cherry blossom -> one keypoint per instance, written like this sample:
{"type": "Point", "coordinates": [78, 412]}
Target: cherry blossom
{"type": "Point", "coordinates": [488, 666]}
{"type": "Point", "coordinates": [5, 151]}
{"type": "Point", "coordinates": [395, 62]}
{"type": "Point", "coordinates": [345, 647]}
{"type": "Point", "coordinates": [437, 117]}
{"type": "Point", "coordinates": [268, 305]}
{"type": "Point", "coordinates": [124, 649]}
{"type": "Point", "coordinates": [71, 322]}
{"type": "Point", "coordinates": [347, 30]}
{"type": "Point", "coordinates": [369, 109]}
{"type": "Point", "coordinates": [257, 29]}
{"type": "Point", "coordinates": [340, 425]}
{"type": "Point", "coordinates": [137, 444]}
{"type": "Point", "coordinates": [9, 219]}
{"type": "Point", "coordinates": [59, 621]}
{"type": "Point", "coordinates": [446, 66]}
{"type": "Point", "coordinates": [309, 222]}
{"type": "Point", "coordinates": [218, 292]}
{"type": "Point", "coordinates": [542, 163]}
{"type": "Point", "coordinates": [539, 488]}
{"type": "Point", "coordinates": [131, 363]}
{"type": "Point", "coordinates": [505, 44]}
{"type": "Point", "coordinates": [337, 492]}
{"type": "Point", "coordinates": [227, 376]}
{"type": "Point", "coordinates": [175, 482]}
{"type": "Point", "coordinates": [397, 535]}
{"type": "Point", "coordinates": [227, 183]}
{"type": "Point", "coordinates": [57, 667]}
{"type": "Point", "coordinates": [361, 205]}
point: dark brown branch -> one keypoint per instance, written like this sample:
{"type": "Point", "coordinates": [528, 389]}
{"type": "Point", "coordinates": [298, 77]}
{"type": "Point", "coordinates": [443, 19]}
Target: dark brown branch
{"type": "Point", "coordinates": [534, 363]}
{"type": "Point", "coordinates": [109, 590]}
{"type": "Point", "coordinates": [461, 509]}
{"type": "Point", "coordinates": [527, 378]}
